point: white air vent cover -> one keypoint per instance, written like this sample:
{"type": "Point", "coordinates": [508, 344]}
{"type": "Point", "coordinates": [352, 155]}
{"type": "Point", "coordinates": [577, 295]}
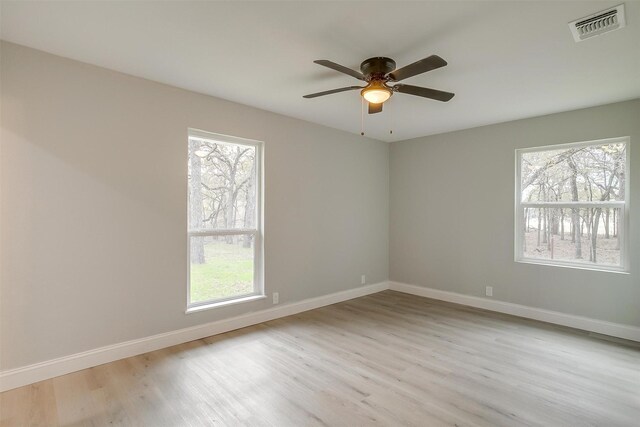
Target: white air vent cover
{"type": "Point", "coordinates": [598, 23]}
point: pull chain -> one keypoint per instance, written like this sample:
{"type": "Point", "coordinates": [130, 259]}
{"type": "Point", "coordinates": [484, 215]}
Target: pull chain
{"type": "Point", "coordinates": [362, 117]}
{"type": "Point", "coordinates": [390, 118]}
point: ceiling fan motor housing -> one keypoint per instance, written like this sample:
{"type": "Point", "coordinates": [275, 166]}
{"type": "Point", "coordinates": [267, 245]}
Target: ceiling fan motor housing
{"type": "Point", "coordinates": [377, 67]}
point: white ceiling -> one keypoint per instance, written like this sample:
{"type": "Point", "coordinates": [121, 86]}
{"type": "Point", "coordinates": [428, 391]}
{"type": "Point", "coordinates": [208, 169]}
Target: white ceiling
{"type": "Point", "coordinates": [507, 60]}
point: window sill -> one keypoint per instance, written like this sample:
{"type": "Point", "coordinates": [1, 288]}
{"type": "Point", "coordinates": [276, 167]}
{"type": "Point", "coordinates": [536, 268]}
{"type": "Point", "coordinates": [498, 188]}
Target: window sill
{"type": "Point", "coordinates": [576, 266]}
{"type": "Point", "coordinates": [225, 303]}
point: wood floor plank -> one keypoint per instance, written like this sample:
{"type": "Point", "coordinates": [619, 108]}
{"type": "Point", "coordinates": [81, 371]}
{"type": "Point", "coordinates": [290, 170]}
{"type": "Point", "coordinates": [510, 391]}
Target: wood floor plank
{"type": "Point", "coordinates": [382, 360]}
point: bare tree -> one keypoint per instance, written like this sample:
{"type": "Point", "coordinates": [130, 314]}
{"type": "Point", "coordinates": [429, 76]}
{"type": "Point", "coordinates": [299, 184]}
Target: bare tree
{"type": "Point", "coordinates": [195, 201]}
{"type": "Point", "coordinates": [575, 215]}
{"type": "Point", "coordinates": [250, 205]}
{"type": "Point", "coordinates": [598, 211]}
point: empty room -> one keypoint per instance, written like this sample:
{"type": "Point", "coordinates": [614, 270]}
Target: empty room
{"type": "Point", "coordinates": [319, 213]}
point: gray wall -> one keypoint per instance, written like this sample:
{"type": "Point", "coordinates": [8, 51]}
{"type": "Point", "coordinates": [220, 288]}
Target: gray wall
{"type": "Point", "coordinates": [452, 215]}
{"type": "Point", "coordinates": [93, 219]}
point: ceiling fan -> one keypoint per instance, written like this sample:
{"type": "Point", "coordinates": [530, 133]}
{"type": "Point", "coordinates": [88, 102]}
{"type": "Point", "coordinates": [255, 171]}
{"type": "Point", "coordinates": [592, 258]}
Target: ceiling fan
{"type": "Point", "coordinates": [379, 72]}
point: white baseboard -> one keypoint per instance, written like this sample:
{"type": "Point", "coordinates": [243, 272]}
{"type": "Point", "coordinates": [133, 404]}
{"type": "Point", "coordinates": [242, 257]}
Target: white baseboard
{"type": "Point", "coordinates": [579, 322]}
{"type": "Point", "coordinates": [52, 368]}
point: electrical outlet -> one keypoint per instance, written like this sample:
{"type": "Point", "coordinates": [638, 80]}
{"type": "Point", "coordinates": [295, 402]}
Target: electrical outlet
{"type": "Point", "coordinates": [363, 279]}
{"type": "Point", "coordinates": [489, 291]}
{"type": "Point", "coordinates": [276, 298]}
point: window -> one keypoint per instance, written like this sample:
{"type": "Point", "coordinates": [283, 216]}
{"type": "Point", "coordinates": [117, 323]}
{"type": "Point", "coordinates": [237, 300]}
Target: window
{"type": "Point", "coordinates": [224, 219]}
{"type": "Point", "coordinates": [571, 204]}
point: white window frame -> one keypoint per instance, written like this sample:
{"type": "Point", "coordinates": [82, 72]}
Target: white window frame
{"type": "Point", "coordinates": [623, 205]}
{"type": "Point", "coordinates": [257, 233]}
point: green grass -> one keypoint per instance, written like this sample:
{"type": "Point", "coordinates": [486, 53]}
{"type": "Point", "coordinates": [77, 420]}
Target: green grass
{"type": "Point", "coordinates": [227, 271]}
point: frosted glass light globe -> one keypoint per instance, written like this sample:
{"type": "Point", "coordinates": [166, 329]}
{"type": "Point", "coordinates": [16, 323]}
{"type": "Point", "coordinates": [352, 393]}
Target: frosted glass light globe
{"type": "Point", "coordinates": [376, 92]}
{"type": "Point", "coordinates": [376, 96]}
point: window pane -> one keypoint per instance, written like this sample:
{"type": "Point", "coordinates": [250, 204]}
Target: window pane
{"type": "Point", "coordinates": [592, 173]}
{"type": "Point", "coordinates": [221, 267]}
{"type": "Point", "coordinates": [222, 185]}
{"type": "Point", "coordinates": [586, 235]}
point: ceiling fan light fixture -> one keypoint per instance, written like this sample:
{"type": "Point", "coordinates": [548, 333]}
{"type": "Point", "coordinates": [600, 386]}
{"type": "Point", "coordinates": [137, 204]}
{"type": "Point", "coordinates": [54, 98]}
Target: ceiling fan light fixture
{"type": "Point", "coordinates": [376, 93]}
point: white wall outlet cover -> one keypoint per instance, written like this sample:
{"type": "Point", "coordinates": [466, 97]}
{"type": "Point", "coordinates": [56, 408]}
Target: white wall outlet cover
{"type": "Point", "coordinates": [276, 297]}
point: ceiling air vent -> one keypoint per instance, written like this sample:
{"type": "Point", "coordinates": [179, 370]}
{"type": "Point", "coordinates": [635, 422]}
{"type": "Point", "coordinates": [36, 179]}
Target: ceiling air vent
{"type": "Point", "coordinates": [598, 23]}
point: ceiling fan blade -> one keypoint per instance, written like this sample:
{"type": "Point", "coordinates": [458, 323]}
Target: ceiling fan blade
{"type": "Point", "coordinates": [425, 92]}
{"type": "Point", "coordinates": [340, 68]}
{"type": "Point", "coordinates": [375, 108]}
{"type": "Point", "coordinates": [329, 92]}
{"type": "Point", "coordinates": [418, 67]}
